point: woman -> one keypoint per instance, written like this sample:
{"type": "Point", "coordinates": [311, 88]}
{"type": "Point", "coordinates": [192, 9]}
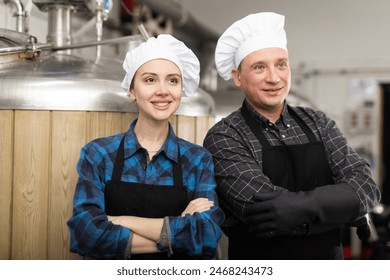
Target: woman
{"type": "Point", "coordinates": [147, 194]}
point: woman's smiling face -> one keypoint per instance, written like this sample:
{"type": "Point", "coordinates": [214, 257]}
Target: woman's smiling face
{"type": "Point", "coordinates": [157, 89]}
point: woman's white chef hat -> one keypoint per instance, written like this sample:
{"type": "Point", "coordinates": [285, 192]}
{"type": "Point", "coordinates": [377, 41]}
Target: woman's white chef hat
{"type": "Point", "coordinates": [165, 47]}
{"type": "Point", "coordinates": [253, 32]}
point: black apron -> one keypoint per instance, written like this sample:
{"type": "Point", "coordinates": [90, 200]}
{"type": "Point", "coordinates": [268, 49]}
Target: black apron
{"type": "Point", "coordinates": [298, 167]}
{"type": "Point", "coordinates": [145, 200]}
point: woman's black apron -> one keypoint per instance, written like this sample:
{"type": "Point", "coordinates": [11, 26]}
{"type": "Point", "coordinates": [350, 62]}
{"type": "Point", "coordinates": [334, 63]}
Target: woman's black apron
{"type": "Point", "coordinates": [145, 200]}
{"type": "Point", "coordinates": [298, 167]}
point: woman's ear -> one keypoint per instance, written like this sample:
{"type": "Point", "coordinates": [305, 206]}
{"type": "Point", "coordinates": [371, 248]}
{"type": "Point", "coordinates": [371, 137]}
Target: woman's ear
{"type": "Point", "coordinates": [131, 95]}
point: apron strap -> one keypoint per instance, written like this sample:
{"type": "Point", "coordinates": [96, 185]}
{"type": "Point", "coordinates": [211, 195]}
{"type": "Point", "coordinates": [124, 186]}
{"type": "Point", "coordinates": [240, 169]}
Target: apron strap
{"type": "Point", "coordinates": [254, 126]}
{"type": "Point", "coordinates": [177, 170]}
{"type": "Point", "coordinates": [119, 162]}
{"type": "Point", "coordinates": [304, 126]}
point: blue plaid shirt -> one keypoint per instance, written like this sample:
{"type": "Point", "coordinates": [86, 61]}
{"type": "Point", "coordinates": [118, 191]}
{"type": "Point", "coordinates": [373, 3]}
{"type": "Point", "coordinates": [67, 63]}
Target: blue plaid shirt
{"type": "Point", "coordinates": [94, 236]}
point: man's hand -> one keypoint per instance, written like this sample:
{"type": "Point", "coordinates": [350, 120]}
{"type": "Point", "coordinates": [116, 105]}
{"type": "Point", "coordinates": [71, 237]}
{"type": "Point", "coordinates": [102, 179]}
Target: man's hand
{"type": "Point", "coordinates": [280, 212]}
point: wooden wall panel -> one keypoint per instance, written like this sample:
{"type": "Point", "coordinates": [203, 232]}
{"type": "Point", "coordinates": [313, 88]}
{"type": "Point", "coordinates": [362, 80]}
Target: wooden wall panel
{"type": "Point", "coordinates": [68, 137]}
{"type": "Point", "coordinates": [71, 131]}
{"type": "Point", "coordinates": [102, 124]}
{"type": "Point", "coordinates": [127, 119]}
{"type": "Point", "coordinates": [186, 128]}
{"type": "Point", "coordinates": [30, 185]}
{"type": "Point", "coordinates": [6, 162]}
{"type": "Point", "coordinates": [39, 154]}
{"type": "Point", "coordinates": [202, 126]}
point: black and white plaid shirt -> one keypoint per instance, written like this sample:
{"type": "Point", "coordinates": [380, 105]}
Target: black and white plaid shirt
{"type": "Point", "coordinates": [238, 157]}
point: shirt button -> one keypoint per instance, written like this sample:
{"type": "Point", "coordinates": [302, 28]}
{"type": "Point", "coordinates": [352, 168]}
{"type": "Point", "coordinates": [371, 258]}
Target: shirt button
{"type": "Point", "coordinates": [288, 125]}
{"type": "Point", "coordinates": [283, 136]}
{"type": "Point", "coordinates": [269, 124]}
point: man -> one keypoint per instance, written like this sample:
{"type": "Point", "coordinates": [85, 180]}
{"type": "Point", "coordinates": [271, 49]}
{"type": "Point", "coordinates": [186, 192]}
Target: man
{"type": "Point", "coordinates": [287, 179]}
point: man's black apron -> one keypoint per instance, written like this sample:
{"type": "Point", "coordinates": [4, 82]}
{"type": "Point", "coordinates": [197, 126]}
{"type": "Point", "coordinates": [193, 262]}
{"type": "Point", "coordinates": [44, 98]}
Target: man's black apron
{"type": "Point", "coordinates": [144, 200]}
{"type": "Point", "coordinates": [298, 167]}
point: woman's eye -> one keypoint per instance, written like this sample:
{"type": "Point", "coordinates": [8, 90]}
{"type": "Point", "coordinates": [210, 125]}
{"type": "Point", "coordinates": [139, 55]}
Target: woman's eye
{"type": "Point", "coordinates": [150, 80]}
{"type": "Point", "coordinates": [173, 80]}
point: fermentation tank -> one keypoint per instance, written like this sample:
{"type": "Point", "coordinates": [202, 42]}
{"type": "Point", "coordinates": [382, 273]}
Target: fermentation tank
{"type": "Point", "coordinates": [51, 104]}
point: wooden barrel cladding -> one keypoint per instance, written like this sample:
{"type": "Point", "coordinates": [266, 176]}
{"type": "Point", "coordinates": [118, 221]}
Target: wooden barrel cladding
{"type": "Point", "coordinates": [39, 151]}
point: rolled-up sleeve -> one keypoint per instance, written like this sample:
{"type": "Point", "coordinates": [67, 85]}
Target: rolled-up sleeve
{"type": "Point", "coordinates": [197, 235]}
{"type": "Point", "coordinates": [91, 233]}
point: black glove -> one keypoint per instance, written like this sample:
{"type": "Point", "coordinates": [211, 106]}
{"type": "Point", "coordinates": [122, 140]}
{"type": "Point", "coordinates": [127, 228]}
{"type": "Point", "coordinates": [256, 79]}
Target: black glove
{"type": "Point", "coordinates": [284, 211]}
{"type": "Point", "coordinates": [279, 212]}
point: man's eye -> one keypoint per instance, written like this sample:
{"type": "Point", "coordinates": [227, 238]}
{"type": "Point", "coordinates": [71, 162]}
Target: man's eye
{"type": "Point", "coordinates": [258, 67]}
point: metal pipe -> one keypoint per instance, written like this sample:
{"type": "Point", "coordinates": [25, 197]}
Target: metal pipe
{"type": "Point", "coordinates": [20, 14]}
{"type": "Point", "coordinates": [124, 39]}
{"type": "Point", "coordinates": [98, 43]}
{"type": "Point", "coordinates": [99, 33]}
{"type": "Point", "coordinates": [59, 25]}
{"type": "Point", "coordinates": [19, 49]}
{"type": "Point", "coordinates": [143, 32]}
{"type": "Point", "coordinates": [101, 8]}
{"type": "Point", "coordinates": [182, 19]}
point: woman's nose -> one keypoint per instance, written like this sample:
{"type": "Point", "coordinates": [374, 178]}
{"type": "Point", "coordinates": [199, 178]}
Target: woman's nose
{"type": "Point", "coordinates": [162, 89]}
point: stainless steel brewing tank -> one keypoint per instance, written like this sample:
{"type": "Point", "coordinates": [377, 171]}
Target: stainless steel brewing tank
{"type": "Point", "coordinates": [51, 104]}
{"type": "Point", "coordinates": [61, 82]}
{"type": "Point", "coordinates": [52, 81]}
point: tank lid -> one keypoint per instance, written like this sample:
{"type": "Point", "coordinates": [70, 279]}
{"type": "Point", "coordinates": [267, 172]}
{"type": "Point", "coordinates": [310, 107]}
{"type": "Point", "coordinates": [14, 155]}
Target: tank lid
{"type": "Point", "coordinates": [30, 80]}
{"type": "Point", "coordinates": [66, 82]}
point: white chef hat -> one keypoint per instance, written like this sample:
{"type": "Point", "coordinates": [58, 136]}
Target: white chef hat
{"type": "Point", "coordinates": [253, 32]}
{"type": "Point", "coordinates": [165, 47]}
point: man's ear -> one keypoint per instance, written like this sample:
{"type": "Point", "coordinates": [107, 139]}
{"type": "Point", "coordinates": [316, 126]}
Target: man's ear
{"type": "Point", "coordinates": [236, 77]}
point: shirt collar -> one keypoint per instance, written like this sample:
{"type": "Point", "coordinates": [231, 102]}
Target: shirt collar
{"type": "Point", "coordinates": [284, 117]}
{"type": "Point", "coordinates": [169, 148]}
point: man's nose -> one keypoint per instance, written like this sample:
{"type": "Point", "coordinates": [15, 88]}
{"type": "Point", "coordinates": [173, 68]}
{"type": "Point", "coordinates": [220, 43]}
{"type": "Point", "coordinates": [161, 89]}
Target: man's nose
{"type": "Point", "coordinates": [272, 76]}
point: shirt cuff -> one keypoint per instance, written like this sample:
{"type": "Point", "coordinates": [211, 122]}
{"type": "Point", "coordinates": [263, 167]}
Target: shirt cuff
{"type": "Point", "coordinates": [164, 244]}
{"type": "Point", "coordinates": [128, 247]}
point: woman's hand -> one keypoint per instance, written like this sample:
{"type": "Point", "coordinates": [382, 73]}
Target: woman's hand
{"type": "Point", "coordinates": [116, 220]}
{"type": "Point", "coordinates": [198, 205]}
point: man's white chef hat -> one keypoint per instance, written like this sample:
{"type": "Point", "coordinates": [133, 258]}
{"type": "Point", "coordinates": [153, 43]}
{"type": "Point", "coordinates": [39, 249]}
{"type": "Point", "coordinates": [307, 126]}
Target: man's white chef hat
{"type": "Point", "coordinates": [164, 47]}
{"type": "Point", "coordinates": [254, 32]}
